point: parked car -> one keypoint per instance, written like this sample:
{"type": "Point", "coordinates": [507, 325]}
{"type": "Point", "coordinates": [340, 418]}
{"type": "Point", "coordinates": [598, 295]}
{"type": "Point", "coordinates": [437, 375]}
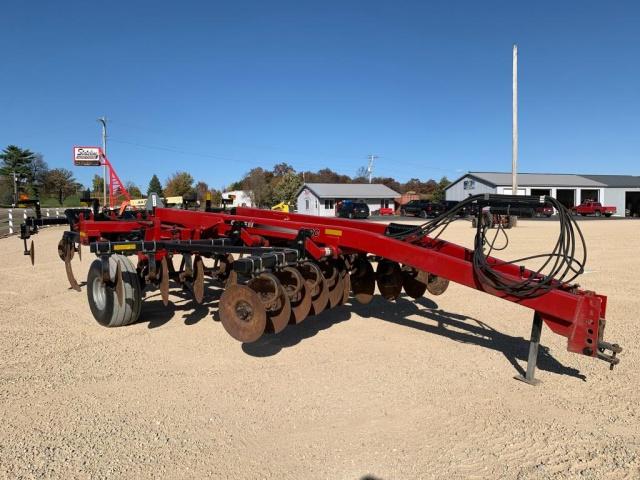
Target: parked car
{"type": "Point", "coordinates": [353, 210]}
{"type": "Point", "coordinates": [544, 211]}
{"type": "Point", "coordinates": [590, 207]}
{"type": "Point", "coordinates": [422, 208]}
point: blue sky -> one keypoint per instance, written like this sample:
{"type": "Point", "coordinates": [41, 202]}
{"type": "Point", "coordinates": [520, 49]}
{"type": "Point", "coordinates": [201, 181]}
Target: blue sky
{"type": "Point", "coordinates": [217, 88]}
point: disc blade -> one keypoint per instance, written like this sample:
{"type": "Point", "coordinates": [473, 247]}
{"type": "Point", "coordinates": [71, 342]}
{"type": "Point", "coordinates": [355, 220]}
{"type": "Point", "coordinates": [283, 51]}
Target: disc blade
{"type": "Point", "coordinates": [242, 314]}
{"type": "Point", "coordinates": [321, 300]}
{"type": "Point", "coordinates": [278, 320]}
{"type": "Point", "coordinates": [119, 284]}
{"type": "Point", "coordinates": [437, 285]}
{"type": "Point", "coordinates": [294, 285]}
{"type": "Point", "coordinates": [363, 281]}
{"type": "Point", "coordinates": [32, 253]}
{"type": "Point", "coordinates": [164, 281]}
{"type": "Point", "coordinates": [198, 279]}
{"type": "Point", "coordinates": [414, 282]}
{"type": "Point", "coordinates": [346, 291]}
{"type": "Point", "coordinates": [389, 279]}
{"type": "Point", "coordinates": [337, 292]}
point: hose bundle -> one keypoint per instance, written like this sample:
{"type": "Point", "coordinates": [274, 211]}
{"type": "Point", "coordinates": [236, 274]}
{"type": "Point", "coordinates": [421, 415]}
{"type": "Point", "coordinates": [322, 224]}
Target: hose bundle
{"type": "Point", "coordinates": [562, 265]}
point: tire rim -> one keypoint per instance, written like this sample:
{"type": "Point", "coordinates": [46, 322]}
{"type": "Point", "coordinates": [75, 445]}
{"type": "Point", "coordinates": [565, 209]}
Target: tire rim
{"type": "Point", "coordinates": [99, 292]}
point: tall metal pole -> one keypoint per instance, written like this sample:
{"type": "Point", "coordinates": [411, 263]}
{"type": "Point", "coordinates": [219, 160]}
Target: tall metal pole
{"type": "Point", "coordinates": [103, 121]}
{"type": "Point", "coordinates": [514, 131]}
{"type": "Point", "coordinates": [370, 166]}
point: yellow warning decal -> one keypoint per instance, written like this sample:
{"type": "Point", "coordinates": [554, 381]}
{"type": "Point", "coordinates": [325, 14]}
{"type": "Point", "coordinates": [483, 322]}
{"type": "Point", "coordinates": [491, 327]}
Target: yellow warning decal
{"type": "Point", "coordinates": [331, 231]}
{"type": "Point", "coordinates": [124, 246]}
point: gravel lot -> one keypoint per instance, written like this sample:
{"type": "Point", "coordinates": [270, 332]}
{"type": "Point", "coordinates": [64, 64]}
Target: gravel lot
{"type": "Point", "coordinates": [383, 391]}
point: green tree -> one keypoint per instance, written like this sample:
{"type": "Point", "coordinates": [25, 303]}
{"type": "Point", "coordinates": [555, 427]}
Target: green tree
{"type": "Point", "coordinates": [438, 193]}
{"type": "Point", "coordinates": [17, 160]}
{"type": "Point", "coordinates": [96, 185]}
{"type": "Point", "coordinates": [133, 190]}
{"type": "Point", "coordinates": [257, 181]}
{"type": "Point", "coordinates": [286, 187]}
{"type": "Point", "coordinates": [201, 191]}
{"type": "Point", "coordinates": [179, 184]}
{"type": "Point", "coordinates": [155, 186]}
{"type": "Point", "coordinates": [61, 183]}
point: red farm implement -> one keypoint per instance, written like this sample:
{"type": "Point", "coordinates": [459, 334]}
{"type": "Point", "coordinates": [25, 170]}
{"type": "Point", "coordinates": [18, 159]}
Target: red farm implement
{"type": "Point", "coordinates": [278, 268]}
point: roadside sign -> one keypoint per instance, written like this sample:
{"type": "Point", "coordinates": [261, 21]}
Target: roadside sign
{"type": "Point", "coordinates": [87, 156]}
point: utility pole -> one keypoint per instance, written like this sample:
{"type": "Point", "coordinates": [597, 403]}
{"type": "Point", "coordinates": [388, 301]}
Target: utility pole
{"type": "Point", "coordinates": [514, 128]}
{"type": "Point", "coordinates": [15, 189]}
{"type": "Point", "coordinates": [370, 166]}
{"type": "Point", "coordinates": [103, 121]}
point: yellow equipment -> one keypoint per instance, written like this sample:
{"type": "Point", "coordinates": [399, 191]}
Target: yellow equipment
{"type": "Point", "coordinates": [281, 207]}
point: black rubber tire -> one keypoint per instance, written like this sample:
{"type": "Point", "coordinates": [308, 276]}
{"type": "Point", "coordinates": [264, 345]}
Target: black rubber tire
{"type": "Point", "coordinates": [608, 214]}
{"type": "Point", "coordinates": [598, 213]}
{"type": "Point", "coordinates": [106, 310]}
{"type": "Point", "coordinates": [423, 214]}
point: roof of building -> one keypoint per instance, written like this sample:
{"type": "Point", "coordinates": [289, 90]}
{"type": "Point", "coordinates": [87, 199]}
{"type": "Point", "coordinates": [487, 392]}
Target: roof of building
{"type": "Point", "coordinates": [495, 179]}
{"type": "Point", "coordinates": [350, 190]}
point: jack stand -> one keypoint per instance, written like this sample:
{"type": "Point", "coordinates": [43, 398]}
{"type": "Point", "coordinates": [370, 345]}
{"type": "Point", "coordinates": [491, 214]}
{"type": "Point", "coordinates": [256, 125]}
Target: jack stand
{"type": "Point", "coordinates": [536, 330]}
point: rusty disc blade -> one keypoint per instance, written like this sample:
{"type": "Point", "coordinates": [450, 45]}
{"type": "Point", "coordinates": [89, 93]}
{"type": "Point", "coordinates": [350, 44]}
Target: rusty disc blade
{"type": "Point", "coordinates": [314, 282]}
{"type": "Point", "coordinates": [363, 280]}
{"type": "Point", "coordinates": [336, 293]}
{"type": "Point", "coordinates": [275, 301]}
{"type": "Point", "coordinates": [164, 281]}
{"type": "Point", "coordinates": [414, 282]}
{"type": "Point", "coordinates": [119, 284]}
{"type": "Point", "coordinates": [321, 300]}
{"type": "Point", "coordinates": [242, 313]}
{"type": "Point", "coordinates": [389, 279]}
{"type": "Point", "coordinates": [300, 297]}
{"type": "Point", "coordinates": [278, 320]}
{"type": "Point", "coordinates": [225, 267]}
{"type": "Point", "coordinates": [198, 279]}
{"type": "Point", "coordinates": [32, 253]}
{"type": "Point", "coordinates": [437, 285]}
{"type": "Point", "coordinates": [346, 291]}
{"type": "Point", "coordinates": [232, 279]}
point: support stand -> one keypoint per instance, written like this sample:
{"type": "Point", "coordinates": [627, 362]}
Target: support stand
{"type": "Point", "coordinates": [536, 330]}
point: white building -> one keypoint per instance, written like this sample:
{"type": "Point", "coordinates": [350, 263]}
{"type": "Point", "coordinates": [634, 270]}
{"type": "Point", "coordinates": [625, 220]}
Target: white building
{"type": "Point", "coordinates": [241, 198]}
{"type": "Point", "coordinates": [620, 191]}
{"type": "Point", "coordinates": [321, 198]}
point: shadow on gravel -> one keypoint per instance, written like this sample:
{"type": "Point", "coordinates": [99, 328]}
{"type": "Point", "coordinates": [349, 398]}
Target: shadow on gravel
{"type": "Point", "coordinates": [459, 328]}
{"type": "Point", "coordinates": [156, 314]}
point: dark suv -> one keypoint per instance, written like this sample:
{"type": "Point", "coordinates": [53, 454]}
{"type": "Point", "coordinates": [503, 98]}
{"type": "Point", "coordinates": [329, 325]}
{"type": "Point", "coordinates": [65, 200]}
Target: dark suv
{"type": "Point", "coordinates": [422, 208]}
{"type": "Point", "coordinates": [353, 210]}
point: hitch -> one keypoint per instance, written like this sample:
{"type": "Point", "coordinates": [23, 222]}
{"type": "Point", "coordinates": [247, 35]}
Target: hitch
{"type": "Point", "coordinates": [611, 358]}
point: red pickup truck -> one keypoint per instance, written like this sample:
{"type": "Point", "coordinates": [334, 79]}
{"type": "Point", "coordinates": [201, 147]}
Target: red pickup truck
{"type": "Point", "coordinates": [590, 207]}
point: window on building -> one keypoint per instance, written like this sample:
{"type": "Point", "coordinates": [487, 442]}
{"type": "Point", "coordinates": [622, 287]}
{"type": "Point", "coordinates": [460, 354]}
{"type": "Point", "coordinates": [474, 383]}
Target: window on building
{"type": "Point", "coordinates": [306, 204]}
{"type": "Point", "coordinates": [384, 203]}
{"type": "Point", "coordinates": [328, 204]}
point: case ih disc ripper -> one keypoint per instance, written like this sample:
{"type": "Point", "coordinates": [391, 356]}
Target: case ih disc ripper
{"type": "Point", "coordinates": [277, 268]}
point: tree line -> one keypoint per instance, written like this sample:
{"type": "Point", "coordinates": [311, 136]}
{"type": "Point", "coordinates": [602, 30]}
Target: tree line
{"type": "Point", "coordinates": [267, 187]}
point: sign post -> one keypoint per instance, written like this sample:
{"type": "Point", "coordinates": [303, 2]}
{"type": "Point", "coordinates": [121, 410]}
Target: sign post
{"type": "Point", "coordinates": [95, 157]}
